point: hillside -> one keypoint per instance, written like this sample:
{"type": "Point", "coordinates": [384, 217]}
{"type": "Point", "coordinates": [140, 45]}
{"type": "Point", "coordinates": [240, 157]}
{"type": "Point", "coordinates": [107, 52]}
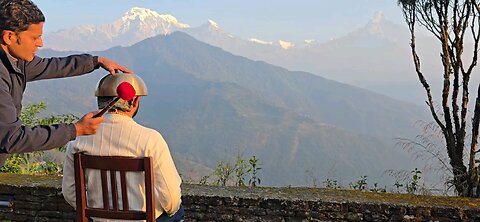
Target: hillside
{"type": "Point", "coordinates": [211, 105]}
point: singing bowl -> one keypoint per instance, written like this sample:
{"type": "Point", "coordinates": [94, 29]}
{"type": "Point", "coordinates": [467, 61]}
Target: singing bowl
{"type": "Point", "coordinates": [107, 86]}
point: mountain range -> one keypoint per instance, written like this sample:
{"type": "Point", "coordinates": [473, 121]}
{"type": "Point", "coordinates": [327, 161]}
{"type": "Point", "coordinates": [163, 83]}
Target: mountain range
{"type": "Point", "coordinates": [376, 56]}
{"type": "Point", "coordinates": [212, 105]}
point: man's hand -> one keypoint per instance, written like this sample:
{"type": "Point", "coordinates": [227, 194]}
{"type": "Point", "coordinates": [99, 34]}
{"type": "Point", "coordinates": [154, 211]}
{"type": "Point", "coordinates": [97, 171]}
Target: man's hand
{"type": "Point", "coordinates": [112, 66]}
{"type": "Point", "coordinates": [88, 125]}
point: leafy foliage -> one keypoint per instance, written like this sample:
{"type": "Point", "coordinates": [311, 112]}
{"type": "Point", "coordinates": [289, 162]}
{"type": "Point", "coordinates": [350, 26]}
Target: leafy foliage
{"type": "Point", "coordinates": [253, 170]}
{"type": "Point", "coordinates": [46, 168]}
{"type": "Point", "coordinates": [240, 171]}
{"type": "Point", "coordinates": [328, 183]}
{"type": "Point", "coordinates": [360, 184]}
{"type": "Point", "coordinates": [228, 173]}
{"type": "Point", "coordinates": [412, 187]}
{"type": "Point", "coordinates": [14, 164]}
{"type": "Point", "coordinates": [223, 171]}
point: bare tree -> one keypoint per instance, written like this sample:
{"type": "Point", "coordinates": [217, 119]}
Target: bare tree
{"type": "Point", "coordinates": [451, 22]}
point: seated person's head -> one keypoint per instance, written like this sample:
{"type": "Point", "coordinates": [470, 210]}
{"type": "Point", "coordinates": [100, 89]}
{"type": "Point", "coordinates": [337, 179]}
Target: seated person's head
{"type": "Point", "coordinates": [106, 92]}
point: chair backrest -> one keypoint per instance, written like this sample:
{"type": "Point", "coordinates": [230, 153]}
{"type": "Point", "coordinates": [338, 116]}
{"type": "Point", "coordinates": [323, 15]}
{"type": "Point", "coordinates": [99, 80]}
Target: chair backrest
{"type": "Point", "coordinates": [113, 164]}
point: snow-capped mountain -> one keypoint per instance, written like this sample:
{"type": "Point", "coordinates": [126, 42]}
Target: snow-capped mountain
{"type": "Point", "coordinates": [140, 23]}
{"type": "Point", "coordinates": [135, 25]}
{"type": "Point", "coordinates": [376, 56]}
{"type": "Point", "coordinates": [378, 28]}
{"type": "Point", "coordinates": [210, 30]}
{"type": "Point", "coordinates": [146, 22]}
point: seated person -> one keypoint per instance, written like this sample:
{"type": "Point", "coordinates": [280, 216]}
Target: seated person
{"type": "Point", "coordinates": [120, 135]}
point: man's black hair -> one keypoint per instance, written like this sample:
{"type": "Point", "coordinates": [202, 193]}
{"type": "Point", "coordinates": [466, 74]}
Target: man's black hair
{"type": "Point", "coordinates": [17, 15]}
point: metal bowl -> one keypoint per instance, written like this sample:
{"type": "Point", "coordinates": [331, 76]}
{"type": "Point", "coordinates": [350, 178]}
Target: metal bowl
{"type": "Point", "coordinates": [107, 86]}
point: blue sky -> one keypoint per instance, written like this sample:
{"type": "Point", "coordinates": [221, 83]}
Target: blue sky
{"type": "Point", "coordinates": [266, 20]}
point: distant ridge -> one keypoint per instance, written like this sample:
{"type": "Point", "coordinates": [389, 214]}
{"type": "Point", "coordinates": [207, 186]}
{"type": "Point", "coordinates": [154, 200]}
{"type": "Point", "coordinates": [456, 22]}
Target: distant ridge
{"type": "Point", "coordinates": [212, 105]}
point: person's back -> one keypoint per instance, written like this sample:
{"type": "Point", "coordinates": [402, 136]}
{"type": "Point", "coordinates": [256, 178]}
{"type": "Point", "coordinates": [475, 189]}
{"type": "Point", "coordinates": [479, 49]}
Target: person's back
{"type": "Point", "coordinates": [120, 135]}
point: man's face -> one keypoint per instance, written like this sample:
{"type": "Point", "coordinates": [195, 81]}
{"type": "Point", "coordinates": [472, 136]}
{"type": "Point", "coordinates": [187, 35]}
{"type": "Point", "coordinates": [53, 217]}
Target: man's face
{"type": "Point", "coordinates": [23, 45]}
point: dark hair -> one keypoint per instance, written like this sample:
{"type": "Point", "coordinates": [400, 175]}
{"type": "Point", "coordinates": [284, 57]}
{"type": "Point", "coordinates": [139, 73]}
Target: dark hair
{"type": "Point", "coordinates": [122, 105]}
{"type": "Point", "coordinates": [17, 15]}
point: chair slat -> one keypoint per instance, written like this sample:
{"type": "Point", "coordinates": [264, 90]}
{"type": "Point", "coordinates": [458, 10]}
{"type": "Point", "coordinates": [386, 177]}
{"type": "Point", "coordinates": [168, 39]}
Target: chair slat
{"type": "Point", "coordinates": [149, 189]}
{"type": "Point", "coordinates": [113, 184]}
{"type": "Point", "coordinates": [130, 215]}
{"type": "Point", "coordinates": [123, 181]}
{"type": "Point", "coordinates": [80, 189]}
{"type": "Point", "coordinates": [110, 162]}
{"type": "Point", "coordinates": [106, 204]}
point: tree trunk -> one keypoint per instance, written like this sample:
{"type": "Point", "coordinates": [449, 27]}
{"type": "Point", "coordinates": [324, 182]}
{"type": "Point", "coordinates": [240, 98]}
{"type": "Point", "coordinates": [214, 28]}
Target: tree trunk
{"type": "Point", "coordinates": [472, 169]}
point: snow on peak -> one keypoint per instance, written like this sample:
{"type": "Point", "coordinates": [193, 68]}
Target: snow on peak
{"type": "Point", "coordinates": [378, 17]}
{"type": "Point", "coordinates": [143, 14]}
{"type": "Point", "coordinates": [258, 41]}
{"type": "Point", "coordinates": [376, 25]}
{"type": "Point", "coordinates": [213, 24]}
{"type": "Point", "coordinates": [309, 41]}
{"type": "Point", "coordinates": [285, 44]}
{"type": "Point", "coordinates": [173, 20]}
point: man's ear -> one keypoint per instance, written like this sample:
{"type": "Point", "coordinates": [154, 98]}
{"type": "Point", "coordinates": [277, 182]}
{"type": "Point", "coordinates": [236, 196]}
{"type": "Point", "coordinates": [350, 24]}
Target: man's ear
{"type": "Point", "coordinates": [8, 37]}
{"type": "Point", "coordinates": [135, 101]}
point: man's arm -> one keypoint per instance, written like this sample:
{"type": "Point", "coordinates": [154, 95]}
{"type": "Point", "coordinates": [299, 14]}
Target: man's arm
{"type": "Point", "coordinates": [17, 138]}
{"type": "Point", "coordinates": [59, 67]}
{"type": "Point", "coordinates": [74, 65]}
{"type": "Point", "coordinates": [167, 180]}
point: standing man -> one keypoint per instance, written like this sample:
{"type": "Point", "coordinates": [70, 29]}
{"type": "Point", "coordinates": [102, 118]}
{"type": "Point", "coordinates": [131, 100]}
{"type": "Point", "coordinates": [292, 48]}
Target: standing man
{"type": "Point", "coordinates": [21, 27]}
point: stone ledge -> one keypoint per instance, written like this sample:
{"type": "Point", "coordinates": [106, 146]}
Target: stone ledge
{"type": "Point", "coordinates": [39, 198]}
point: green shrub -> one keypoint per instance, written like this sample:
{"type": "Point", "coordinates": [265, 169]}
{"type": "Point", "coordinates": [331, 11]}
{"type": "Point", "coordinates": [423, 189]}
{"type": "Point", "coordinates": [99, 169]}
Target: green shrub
{"type": "Point", "coordinates": [225, 172]}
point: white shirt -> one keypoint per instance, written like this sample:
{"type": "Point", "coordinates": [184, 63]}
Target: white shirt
{"type": "Point", "coordinates": [120, 135]}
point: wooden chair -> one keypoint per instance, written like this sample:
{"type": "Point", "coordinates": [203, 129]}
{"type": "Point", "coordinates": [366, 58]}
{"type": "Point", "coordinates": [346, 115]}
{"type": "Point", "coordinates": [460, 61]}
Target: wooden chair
{"type": "Point", "coordinates": [113, 164]}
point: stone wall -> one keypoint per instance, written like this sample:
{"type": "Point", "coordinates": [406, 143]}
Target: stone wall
{"type": "Point", "coordinates": [39, 198]}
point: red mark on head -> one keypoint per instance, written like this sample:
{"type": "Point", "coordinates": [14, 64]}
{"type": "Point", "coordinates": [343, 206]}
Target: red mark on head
{"type": "Point", "coordinates": [126, 91]}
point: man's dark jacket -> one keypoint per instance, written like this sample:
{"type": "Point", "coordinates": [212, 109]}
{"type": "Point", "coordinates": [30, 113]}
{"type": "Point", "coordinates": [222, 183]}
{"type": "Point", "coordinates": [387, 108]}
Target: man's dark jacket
{"type": "Point", "coordinates": [14, 136]}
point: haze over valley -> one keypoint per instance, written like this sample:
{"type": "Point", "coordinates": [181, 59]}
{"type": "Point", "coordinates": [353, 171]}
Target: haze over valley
{"type": "Point", "coordinates": [332, 108]}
